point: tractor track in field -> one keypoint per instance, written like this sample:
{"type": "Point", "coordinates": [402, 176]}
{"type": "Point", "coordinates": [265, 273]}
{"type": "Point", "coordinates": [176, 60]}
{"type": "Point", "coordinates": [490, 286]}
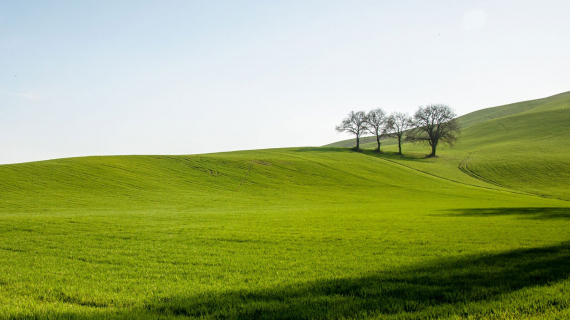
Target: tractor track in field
{"type": "Point", "coordinates": [502, 126]}
{"type": "Point", "coordinates": [246, 174]}
{"type": "Point", "coordinates": [467, 171]}
{"type": "Point", "coordinates": [464, 167]}
{"type": "Point", "coordinates": [451, 180]}
{"type": "Point", "coordinates": [507, 130]}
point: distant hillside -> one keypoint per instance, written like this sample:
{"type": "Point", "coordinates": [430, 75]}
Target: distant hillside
{"type": "Point", "coordinates": [557, 101]}
{"type": "Point", "coordinates": [366, 142]}
{"type": "Point", "coordinates": [514, 108]}
{"type": "Point", "coordinates": [523, 146]}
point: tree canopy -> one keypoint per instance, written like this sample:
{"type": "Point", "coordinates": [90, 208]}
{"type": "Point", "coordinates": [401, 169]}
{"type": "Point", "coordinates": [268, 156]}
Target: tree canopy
{"type": "Point", "coordinates": [398, 123]}
{"type": "Point", "coordinates": [376, 124]}
{"type": "Point", "coordinates": [354, 123]}
{"type": "Point", "coordinates": [434, 124]}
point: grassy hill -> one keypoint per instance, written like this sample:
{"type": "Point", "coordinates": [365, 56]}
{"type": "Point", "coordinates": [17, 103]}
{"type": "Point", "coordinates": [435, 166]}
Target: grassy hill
{"type": "Point", "coordinates": [365, 142]}
{"type": "Point", "coordinates": [556, 101]}
{"type": "Point", "coordinates": [559, 101]}
{"type": "Point", "coordinates": [298, 233]}
{"type": "Point", "coordinates": [523, 146]}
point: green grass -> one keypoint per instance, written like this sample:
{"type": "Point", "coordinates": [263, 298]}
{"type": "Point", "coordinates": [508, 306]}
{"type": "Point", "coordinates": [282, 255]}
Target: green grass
{"type": "Point", "coordinates": [299, 233]}
{"type": "Point", "coordinates": [523, 146]}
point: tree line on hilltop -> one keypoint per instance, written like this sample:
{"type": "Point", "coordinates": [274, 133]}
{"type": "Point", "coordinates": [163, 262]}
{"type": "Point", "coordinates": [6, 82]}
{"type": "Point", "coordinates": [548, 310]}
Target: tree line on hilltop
{"type": "Point", "coordinates": [433, 124]}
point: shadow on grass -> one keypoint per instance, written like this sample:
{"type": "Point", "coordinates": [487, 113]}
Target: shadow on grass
{"type": "Point", "coordinates": [538, 213]}
{"type": "Point", "coordinates": [394, 155]}
{"type": "Point", "coordinates": [475, 287]}
{"type": "Point", "coordinates": [440, 289]}
{"type": "Point", "coordinates": [388, 155]}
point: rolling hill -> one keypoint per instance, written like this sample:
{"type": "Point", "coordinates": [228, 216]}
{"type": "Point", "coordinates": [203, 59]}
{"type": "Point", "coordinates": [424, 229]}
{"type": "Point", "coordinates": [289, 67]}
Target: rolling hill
{"type": "Point", "coordinates": [523, 146]}
{"type": "Point", "coordinates": [482, 232]}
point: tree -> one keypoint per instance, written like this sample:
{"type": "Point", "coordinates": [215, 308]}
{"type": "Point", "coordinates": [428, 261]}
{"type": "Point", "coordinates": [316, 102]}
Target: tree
{"type": "Point", "coordinates": [398, 124]}
{"type": "Point", "coordinates": [434, 124]}
{"type": "Point", "coordinates": [376, 121]}
{"type": "Point", "coordinates": [355, 123]}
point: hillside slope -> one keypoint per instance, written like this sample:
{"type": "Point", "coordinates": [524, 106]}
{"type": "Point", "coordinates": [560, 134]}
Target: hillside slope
{"type": "Point", "coordinates": [522, 146]}
{"type": "Point", "coordinates": [365, 142]}
{"type": "Point", "coordinates": [236, 178]}
{"type": "Point", "coordinates": [556, 101]}
{"type": "Point", "coordinates": [296, 233]}
{"type": "Point", "coordinates": [559, 100]}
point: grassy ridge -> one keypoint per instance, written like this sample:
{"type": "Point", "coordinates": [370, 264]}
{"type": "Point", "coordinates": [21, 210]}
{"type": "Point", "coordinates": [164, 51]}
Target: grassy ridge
{"type": "Point", "coordinates": [138, 182]}
{"type": "Point", "coordinates": [489, 115]}
{"type": "Point", "coordinates": [557, 101]}
{"type": "Point", "coordinates": [522, 146]}
{"type": "Point", "coordinates": [284, 233]}
{"type": "Point", "coordinates": [365, 142]}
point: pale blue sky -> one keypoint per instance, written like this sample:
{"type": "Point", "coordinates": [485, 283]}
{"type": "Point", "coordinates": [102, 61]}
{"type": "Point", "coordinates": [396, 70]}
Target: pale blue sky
{"type": "Point", "coordinates": [179, 77]}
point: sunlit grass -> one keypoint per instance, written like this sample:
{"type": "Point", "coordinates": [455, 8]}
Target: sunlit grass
{"type": "Point", "coordinates": [300, 233]}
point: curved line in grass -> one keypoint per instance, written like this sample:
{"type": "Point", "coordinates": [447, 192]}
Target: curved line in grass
{"type": "Point", "coordinates": [243, 179]}
{"type": "Point", "coordinates": [503, 188]}
{"type": "Point", "coordinates": [463, 166]}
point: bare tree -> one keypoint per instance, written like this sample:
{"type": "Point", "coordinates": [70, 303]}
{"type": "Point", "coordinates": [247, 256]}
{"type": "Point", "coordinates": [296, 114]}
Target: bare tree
{"type": "Point", "coordinates": [434, 124]}
{"type": "Point", "coordinates": [398, 124]}
{"type": "Point", "coordinates": [376, 121]}
{"type": "Point", "coordinates": [355, 123]}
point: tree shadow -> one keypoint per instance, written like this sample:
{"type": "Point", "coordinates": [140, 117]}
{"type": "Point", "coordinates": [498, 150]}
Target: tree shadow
{"type": "Point", "coordinates": [389, 155]}
{"type": "Point", "coordinates": [536, 213]}
{"type": "Point", "coordinates": [439, 289]}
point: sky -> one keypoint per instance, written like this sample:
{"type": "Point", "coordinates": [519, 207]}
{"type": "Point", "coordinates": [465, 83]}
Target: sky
{"type": "Point", "coordinates": [81, 78]}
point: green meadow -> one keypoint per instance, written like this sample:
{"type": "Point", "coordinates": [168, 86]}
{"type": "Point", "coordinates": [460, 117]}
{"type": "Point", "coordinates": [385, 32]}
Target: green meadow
{"type": "Point", "coordinates": [481, 232]}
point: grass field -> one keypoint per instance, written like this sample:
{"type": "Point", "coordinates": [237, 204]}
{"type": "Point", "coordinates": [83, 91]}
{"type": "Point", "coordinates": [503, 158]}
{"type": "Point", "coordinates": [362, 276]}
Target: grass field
{"type": "Point", "coordinates": [482, 232]}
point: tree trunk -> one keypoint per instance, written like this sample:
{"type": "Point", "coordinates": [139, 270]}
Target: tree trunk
{"type": "Point", "coordinates": [399, 144]}
{"type": "Point", "coordinates": [378, 141]}
{"type": "Point", "coordinates": [357, 143]}
{"type": "Point", "coordinates": [433, 150]}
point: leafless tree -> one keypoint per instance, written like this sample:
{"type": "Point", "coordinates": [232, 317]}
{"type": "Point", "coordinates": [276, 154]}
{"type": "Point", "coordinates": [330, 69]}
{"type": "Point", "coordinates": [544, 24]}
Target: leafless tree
{"type": "Point", "coordinates": [398, 124]}
{"type": "Point", "coordinates": [355, 123]}
{"type": "Point", "coordinates": [434, 124]}
{"type": "Point", "coordinates": [376, 121]}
